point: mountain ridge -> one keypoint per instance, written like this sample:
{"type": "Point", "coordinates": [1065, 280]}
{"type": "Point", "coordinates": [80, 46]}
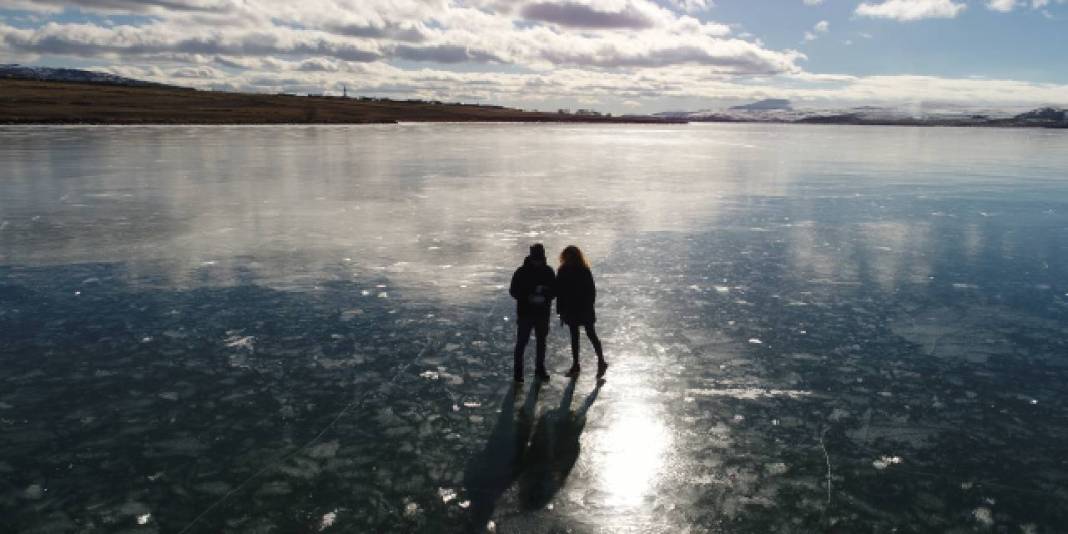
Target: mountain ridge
{"type": "Point", "coordinates": [16, 71]}
{"type": "Point", "coordinates": [781, 111]}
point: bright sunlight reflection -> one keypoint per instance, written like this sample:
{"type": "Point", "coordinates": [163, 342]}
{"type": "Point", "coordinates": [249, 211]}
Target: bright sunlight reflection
{"type": "Point", "coordinates": [633, 448]}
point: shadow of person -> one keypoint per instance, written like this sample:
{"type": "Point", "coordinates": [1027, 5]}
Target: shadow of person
{"type": "Point", "coordinates": [492, 471]}
{"type": "Point", "coordinates": [553, 450]}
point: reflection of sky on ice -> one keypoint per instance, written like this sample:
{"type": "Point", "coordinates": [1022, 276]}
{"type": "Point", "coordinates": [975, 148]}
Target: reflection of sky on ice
{"type": "Point", "coordinates": [306, 328]}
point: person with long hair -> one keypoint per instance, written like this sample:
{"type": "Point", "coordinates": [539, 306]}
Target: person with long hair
{"type": "Point", "coordinates": [575, 296]}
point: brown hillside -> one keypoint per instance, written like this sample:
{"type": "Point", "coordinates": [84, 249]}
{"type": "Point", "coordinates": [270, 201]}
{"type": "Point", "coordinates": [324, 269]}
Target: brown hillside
{"type": "Point", "coordinates": [45, 102]}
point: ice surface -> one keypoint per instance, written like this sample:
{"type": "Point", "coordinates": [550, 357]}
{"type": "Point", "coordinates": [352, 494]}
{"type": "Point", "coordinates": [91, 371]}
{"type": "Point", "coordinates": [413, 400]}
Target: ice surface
{"type": "Point", "coordinates": [33, 492]}
{"type": "Point", "coordinates": [327, 520]}
{"type": "Point", "coordinates": [447, 494]}
{"type": "Point", "coordinates": [886, 461]}
{"type": "Point", "coordinates": [983, 516]}
{"type": "Point", "coordinates": [748, 393]}
{"type": "Point", "coordinates": [822, 332]}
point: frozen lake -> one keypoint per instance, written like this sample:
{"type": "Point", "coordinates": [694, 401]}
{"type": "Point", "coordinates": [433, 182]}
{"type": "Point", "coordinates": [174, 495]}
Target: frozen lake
{"type": "Point", "coordinates": [294, 329]}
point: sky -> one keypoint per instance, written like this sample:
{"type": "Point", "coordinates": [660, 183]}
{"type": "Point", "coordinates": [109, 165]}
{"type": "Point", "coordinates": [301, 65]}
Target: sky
{"type": "Point", "coordinates": [620, 56]}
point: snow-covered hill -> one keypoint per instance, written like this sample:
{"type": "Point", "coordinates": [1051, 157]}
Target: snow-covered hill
{"type": "Point", "coordinates": [25, 72]}
{"type": "Point", "coordinates": [782, 111]}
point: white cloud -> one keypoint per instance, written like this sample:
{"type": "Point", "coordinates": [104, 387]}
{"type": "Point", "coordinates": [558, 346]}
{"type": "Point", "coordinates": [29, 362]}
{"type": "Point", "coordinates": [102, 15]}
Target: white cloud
{"type": "Point", "coordinates": [536, 35]}
{"type": "Point", "coordinates": [693, 6]}
{"type": "Point", "coordinates": [820, 27]}
{"type": "Point", "coordinates": [1001, 5]}
{"type": "Point", "coordinates": [601, 51]}
{"type": "Point", "coordinates": [1005, 6]}
{"type": "Point", "coordinates": [910, 10]}
{"type": "Point", "coordinates": [813, 2]}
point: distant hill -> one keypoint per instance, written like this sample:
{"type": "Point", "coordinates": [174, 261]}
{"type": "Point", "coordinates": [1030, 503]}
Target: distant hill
{"type": "Point", "coordinates": [15, 71]}
{"type": "Point", "coordinates": [1044, 115]}
{"type": "Point", "coordinates": [769, 104]}
{"type": "Point", "coordinates": [107, 99]}
{"type": "Point", "coordinates": [780, 111]}
{"type": "Point", "coordinates": [1042, 118]}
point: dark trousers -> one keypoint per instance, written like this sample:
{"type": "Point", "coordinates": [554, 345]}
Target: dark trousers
{"type": "Point", "coordinates": [591, 333]}
{"type": "Point", "coordinates": [540, 326]}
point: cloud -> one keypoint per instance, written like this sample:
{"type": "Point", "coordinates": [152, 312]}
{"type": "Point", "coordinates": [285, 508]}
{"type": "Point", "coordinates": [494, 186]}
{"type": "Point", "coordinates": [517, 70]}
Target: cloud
{"type": "Point", "coordinates": [683, 44]}
{"type": "Point", "coordinates": [813, 2]}
{"type": "Point", "coordinates": [432, 31]}
{"type": "Point", "coordinates": [911, 10]}
{"type": "Point", "coordinates": [202, 72]}
{"type": "Point", "coordinates": [578, 15]}
{"type": "Point", "coordinates": [973, 91]}
{"type": "Point", "coordinates": [444, 54]}
{"type": "Point", "coordinates": [1001, 5]}
{"type": "Point", "coordinates": [693, 6]}
{"type": "Point", "coordinates": [88, 40]}
{"type": "Point", "coordinates": [126, 6]}
{"type": "Point", "coordinates": [820, 27]}
{"type": "Point", "coordinates": [412, 33]}
{"type": "Point", "coordinates": [319, 64]}
{"type": "Point", "coordinates": [517, 52]}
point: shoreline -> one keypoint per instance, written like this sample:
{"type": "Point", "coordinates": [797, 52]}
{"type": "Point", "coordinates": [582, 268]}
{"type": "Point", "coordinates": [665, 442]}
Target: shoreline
{"type": "Point", "coordinates": [1009, 126]}
{"type": "Point", "coordinates": [60, 103]}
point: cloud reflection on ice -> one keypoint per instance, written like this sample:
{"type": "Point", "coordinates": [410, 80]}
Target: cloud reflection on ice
{"type": "Point", "coordinates": [782, 306]}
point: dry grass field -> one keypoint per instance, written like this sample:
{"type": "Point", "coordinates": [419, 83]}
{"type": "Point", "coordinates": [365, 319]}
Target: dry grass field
{"type": "Point", "coordinates": [44, 102]}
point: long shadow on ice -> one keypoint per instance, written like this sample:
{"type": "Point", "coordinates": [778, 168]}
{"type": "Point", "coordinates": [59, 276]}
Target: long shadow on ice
{"type": "Point", "coordinates": [539, 462]}
{"type": "Point", "coordinates": [554, 449]}
{"type": "Point", "coordinates": [492, 471]}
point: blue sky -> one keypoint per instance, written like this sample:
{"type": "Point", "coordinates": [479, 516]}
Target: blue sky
{"type": "Point", "coordinates": [615, 55]}
{"type": "Point", "coordinates": [1024, 44]}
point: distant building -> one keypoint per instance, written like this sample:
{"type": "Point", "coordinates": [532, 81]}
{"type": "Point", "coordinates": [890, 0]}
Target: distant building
{"type": "Point", "coordinates": [564, 111]}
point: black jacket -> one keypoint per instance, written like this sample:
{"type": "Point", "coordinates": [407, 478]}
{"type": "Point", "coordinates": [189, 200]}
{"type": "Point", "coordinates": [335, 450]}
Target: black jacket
{"type": "Point", "coordinates": [532, 289]}
{"type": "Point", "coordinates": [575, 295]}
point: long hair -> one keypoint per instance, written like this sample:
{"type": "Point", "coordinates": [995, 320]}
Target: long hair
{"type": "Point", "coordinates": [573, 256]}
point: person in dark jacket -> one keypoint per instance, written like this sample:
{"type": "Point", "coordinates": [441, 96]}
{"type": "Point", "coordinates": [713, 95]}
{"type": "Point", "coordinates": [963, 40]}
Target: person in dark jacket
{"type": "Point", "coordinates": [532, 289]}
{"type": "Point", "coordinates": [575, 295]}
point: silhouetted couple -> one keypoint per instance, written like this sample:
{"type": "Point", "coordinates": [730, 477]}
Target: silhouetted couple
{"type": "Point", "coordinates": [534, 286]}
